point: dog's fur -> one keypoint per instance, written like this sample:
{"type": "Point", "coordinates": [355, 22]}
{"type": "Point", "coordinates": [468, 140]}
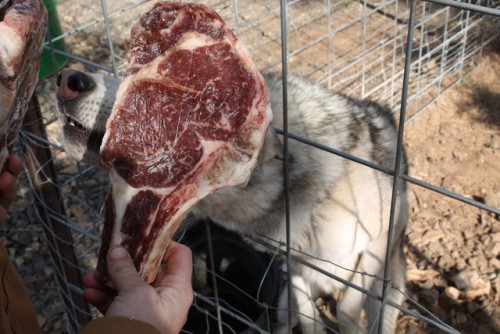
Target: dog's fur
{"type": "Point", "coordinates": [339, 209]}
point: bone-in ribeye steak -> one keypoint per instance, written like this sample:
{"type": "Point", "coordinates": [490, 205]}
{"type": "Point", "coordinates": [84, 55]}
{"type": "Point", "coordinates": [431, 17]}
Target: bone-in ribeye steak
{"type": "Point", "coordinates": [190, 117]}
{"type": "Point", "coordinates": [22, 29]}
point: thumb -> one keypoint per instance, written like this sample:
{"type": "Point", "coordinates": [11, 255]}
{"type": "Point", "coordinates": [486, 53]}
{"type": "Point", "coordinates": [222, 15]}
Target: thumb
{"type": "Point", "coordinates": [121, 269]}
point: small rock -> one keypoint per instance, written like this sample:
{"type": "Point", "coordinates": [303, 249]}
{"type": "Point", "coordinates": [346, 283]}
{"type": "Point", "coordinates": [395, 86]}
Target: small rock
{"type": "Point", "coordinates": [480, 291]}
{"type": "Point", "coordinates": [49, 271]}
{"type": "Point", "coordinates": [421, 275]}
{"type": "Point", "coordinates": [466, 279]}
{"type": "Point", "coordinates": [432, 235]}
{"type": "Point", "coordinates": [494, 250]}
{"type": "Point", "coordinates": [495, 229]}
{"type": "Point", "coordinates": [473, 307]}
{"type": "Point", "coordinates": [58, 325]}
{"type": "Point", "coordinates": [431, 296]}
{"type": "Point", "coordinates": [452, 293]}
{"type": "Point", "coordinates": [77, 210]}
{"type": "Point", "coordinates": [19, 261]}
{"type": "Point", "coordinates": [41, 320]}
{"type": "Point", "coordinates": [495, 237]}
{"type": "Point", "coordinates": [38, 304]}
{"type": "Point", "coordinates": [468, 234]}
{"type": "Point", "coordinates": [494, 263]}
{"type": "Point", "coordinates": [434, 247]}
{"type": "Point", "coordinates": [414, 236]}
{"type": "Point", "coordinates": [40, 282]}
{"type": "Point", "coordinates": [494, 277]}
{"type": "Point", "coordinates": [470, 244]}
{"type": "Point", "coordinates": [23, 238]}
{"type": "Point", "coordinates": [459, 155]}
{"type": "Point", "coordinates": [427, 285]}
{"type": "Point", "coordinates": [471, 283]}
{"type": "Point", "coordinates": [460, 318]}
{"type": "Point", "coordinates": [35, 247]}
{"type": "Point", "coordinates": [444, 261]}
{"type": "Point", "coordinates": [28, 254]}
{"type": "Point", "coordinates": [485, 240]}
{"type": "Point", "coordinates": [454, 183]}
{"type": "Point", "coordinates": [29, 280]}
{"type": "Point", "coordinates": [492, 199]}
{"type": "Point", "coordinates": [447, 130]}
{"type": "Point", "coordinates": [493, 143]}
{"type": "Point", "coordinates": [472, 262]}
{"type": "Point", "coordinates": [39, 266]}
{"type": "Point", "coordinates": [460, 263]}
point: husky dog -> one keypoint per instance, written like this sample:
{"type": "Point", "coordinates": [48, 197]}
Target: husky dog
{"type": "Point", "coordinates": [339, 209]}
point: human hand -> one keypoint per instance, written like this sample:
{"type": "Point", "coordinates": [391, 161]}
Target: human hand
{"type": "Point", "coordinates": [8, 177]}
{"type": "Point", "coordinates": [164, 304]}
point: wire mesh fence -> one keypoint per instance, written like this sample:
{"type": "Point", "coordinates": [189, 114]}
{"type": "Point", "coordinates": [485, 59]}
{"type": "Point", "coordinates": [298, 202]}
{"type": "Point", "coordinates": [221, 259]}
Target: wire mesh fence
{"type": "Point", "coordinates": [404, 54]}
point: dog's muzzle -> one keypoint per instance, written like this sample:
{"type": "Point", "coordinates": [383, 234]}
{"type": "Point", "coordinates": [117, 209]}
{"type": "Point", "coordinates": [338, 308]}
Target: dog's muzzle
{"type": "Point", "coordinates": [81, 142]}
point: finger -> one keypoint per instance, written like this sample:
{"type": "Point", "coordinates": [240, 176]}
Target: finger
{"type": "Point", "coordinates": [179, 265]}
{"type": "Point", "coordinates": [7, 189]}
{"type": "Point", "coordinates": [89, 281]}
{"type": "Point", "coordinates": [7, 181]}
{"type": "Point", "coordinates": [122, 270]}
{"type": "Point", "coordinates": [98, 298]}
{"type": "Point", "coordinates": [14, 165]}
{"type": "Point", "coordinates": [179, 259]}
{"type": "Point", "coordinates": [96, 293]}
{"type": "Point", "coordinates": [175, 281]}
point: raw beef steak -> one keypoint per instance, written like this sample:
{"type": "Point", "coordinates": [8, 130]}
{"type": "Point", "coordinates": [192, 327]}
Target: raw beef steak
{"type": "Point", "coordinates": [22, 30]}
{"type": "Point", "coordinates": [190, 117]}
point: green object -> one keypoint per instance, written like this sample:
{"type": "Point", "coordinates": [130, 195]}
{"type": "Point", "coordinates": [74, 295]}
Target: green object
{"type": "Point", "coordinates": [51, 63]}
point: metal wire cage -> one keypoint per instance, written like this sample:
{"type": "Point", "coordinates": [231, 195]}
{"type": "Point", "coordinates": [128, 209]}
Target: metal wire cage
{"type": "Point", "coordinates": [403, 53]}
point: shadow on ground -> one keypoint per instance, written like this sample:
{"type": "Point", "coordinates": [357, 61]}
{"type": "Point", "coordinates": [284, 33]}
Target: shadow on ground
{"type": "Point", "coordinates": [487, 101]}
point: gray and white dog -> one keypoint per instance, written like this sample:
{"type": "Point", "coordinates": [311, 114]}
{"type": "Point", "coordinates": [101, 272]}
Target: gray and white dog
{"type": "Point", "coordinates": [339, 209]}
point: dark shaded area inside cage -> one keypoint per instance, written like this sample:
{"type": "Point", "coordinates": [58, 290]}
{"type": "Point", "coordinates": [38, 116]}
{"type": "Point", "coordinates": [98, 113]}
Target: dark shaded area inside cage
{"type": "Point", "coordinates": [233, 274]}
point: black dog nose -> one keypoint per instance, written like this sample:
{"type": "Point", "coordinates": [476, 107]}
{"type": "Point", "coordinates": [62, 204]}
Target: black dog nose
{"type": "Point", "coordinates": [71, 83]}
{"type": "Point", "coordinates": [76, 81]}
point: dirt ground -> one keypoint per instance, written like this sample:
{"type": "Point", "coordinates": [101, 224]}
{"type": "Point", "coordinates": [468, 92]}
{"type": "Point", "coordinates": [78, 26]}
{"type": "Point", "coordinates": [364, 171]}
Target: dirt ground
{"type": "Point", "coordinates": [453, 248]}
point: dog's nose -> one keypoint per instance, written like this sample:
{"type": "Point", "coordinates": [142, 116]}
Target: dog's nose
{"type": "Point", "coordinates": [72, 83]}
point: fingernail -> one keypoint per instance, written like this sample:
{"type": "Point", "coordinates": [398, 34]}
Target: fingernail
{"type": "Point", "coordinates": [117, 253]}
